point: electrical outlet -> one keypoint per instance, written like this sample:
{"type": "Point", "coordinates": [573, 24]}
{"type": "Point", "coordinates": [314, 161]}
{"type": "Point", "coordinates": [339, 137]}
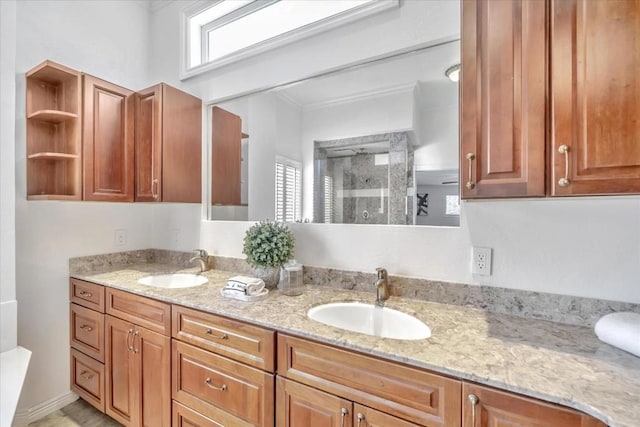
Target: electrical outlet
{"type": "Point", "coordinates": [481, 261]}
{"type": "Point", "coordinates": [120, 237]}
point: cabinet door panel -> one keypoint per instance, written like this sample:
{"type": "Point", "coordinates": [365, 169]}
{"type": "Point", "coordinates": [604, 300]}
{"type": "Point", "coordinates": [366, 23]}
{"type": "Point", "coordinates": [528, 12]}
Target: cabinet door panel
{"type": "Point", "coordinates": [120, 371]}
{"type": "Point", "coordinates": [503, 99]}
{"type": "Point", "coordinates": [148, 144]}
{"type": "Point", "coordinates": [226, 131]}
{"type": "Point", "coordinates": [107, 141]}
{"type": "Point", "coordinates": [301, 406]}
{"type": "Point", "coordinates": [154, 360]}
{"type": "Point", "coordinates": [498, 408]}
{"type": "Point", "coordinates": [595, 95]}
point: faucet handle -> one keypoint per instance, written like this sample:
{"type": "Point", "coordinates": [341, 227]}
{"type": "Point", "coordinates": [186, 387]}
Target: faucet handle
{"type": "Point", "coordinates": [382, 273]}
{"type": "Point", "coordinates": [201, 253]}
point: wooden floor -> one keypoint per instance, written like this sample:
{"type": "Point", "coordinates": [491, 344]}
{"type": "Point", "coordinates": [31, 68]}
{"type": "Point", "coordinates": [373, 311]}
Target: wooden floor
{"type": "Point", "coordinates": [76, 414]}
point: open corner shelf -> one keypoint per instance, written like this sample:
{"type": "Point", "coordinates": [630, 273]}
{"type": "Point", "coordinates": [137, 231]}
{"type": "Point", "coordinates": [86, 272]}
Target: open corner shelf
{"type": "Point", "coordinates": [52, 116]}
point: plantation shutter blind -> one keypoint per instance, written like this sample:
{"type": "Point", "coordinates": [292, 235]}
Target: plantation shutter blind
{"type": "Point", "coordinates": [288, 190]}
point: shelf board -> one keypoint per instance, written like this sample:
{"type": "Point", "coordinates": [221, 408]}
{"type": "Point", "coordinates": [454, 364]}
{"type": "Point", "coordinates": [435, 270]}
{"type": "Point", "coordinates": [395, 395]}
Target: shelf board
{"type": "Point", "coordinates": [52, 156]}
{"type": "Point", "coordinates": [49, 71]}
{"type": "Point", "coordinates": [52, 116]}
{"type": "Point", "coordinates": [53, 197]}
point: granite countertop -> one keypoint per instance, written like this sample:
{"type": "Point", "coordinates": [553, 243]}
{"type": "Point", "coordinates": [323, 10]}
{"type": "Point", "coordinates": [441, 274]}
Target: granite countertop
{"type": "Point", "coordinates": [555, 362]}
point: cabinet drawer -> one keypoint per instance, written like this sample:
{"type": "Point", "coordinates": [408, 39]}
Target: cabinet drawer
{"type": "Point", "coordinates": [146, 312]}
{"type": "Point", "coordinates": [87, 331]}
{"type": "Point", "coordinates": [87, 379]}
{"type": "Point", "coordinates": [185, 417]}
{"type": "Point", "coordinates": [86, 294]}
{"type": "Point", "coordinates": [226, 391]}
{"type": "Point", "coordinates": [413, 394]}
{"type": "Point", "coordinates": [249, 344]}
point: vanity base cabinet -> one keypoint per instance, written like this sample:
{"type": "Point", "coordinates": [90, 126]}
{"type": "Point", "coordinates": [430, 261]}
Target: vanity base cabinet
{"type": "Point", "coordinates": [485, 407]}
{"type": "Point", "coordinates": [138, 382]}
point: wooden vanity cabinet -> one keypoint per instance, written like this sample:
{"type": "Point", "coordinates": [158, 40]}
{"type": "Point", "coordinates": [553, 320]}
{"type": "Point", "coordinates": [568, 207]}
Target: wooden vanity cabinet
{"type": "Point", "coordinates": [168, 145]}
{"type": "Point", "coordinates": [502, 92]}
{"type": "Point", "coordinates": [137, 360]}
{"type": "Point", "coordinates": [484, 407]}
{"type": "Point", "coordinates": [222, 369]}
{"type": "Point", "coordinates": [413, 395]}
{"type": "Point", "coordinates": [86, 312]}
{"type": "Point", "coordinates": [107, 141]}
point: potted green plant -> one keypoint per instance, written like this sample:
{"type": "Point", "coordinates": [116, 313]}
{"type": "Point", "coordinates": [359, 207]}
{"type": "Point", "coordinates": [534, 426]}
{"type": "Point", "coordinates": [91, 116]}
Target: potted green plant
{"type": "Point", "coordinates": [268, 245]}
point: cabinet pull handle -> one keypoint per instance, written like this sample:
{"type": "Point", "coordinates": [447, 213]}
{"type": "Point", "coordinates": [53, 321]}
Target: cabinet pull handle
{"type": "Point", "coordinates": [360, 418]}
{"type": "Point", "coordinates": [343, 414]}
{"type": "Point", "coordinates": [86, 375]}
{"type": "Point", "coordinates": [473, 399]}
{"type": "Point", "coordinates": [86, 328]}
{"type": "Point", "coordinates": [221, 388]}
{"type": "Point", "coordinates": [154, 188]}
{"type": "Point", "coordinates": [129, 334]}
{"type": "Point", "coordinates": [85, 294]}
{"type": "Point", "coordinates": [470, 184]}
{"type": "Point", "coordinates": [133, 342]}
{"type": "Point", "coordinates": [564, 181]}
{"type": "Point", "coordinates": [209, 331]}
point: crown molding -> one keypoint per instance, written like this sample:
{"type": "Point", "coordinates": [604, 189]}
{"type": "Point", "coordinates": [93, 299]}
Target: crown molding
{"type": "Point", "coordinates": [370, 94]}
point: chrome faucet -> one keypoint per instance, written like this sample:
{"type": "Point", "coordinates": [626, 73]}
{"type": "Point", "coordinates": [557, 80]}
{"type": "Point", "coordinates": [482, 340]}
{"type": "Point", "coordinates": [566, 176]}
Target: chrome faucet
{"type": "Point", "coordinates": [382, 286]}
{"type": "Point", "coordinates": [202, 257]}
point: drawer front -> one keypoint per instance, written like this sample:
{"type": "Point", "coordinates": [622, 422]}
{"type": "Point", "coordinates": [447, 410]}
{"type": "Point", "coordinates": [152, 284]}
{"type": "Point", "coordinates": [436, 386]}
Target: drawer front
{"type": "Point", "coordinates": [226, 391]}
{"type": "Point", "coordinates": [409, 393]}
{"type": "Point", "coordinates": [87, 331]}
{"type": "Point", "coordinates": [86, 294]}
{"type": "Point", "coordinates": [367, 417]}
{"type": "Point", "coordinates": [87, 379]}
{"type": "Point", "coordinates": [146, 312]}
{"type": "Point", "coordinates": [185, 417]}
{"type": "Point", "coordinates": [249, 344]}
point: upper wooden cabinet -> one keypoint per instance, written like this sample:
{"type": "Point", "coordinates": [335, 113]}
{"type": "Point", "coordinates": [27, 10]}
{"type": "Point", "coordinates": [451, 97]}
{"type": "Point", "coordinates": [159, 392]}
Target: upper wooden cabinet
{"type": "Point", "coordinates": [503, 98]}
{"type": "Point", "coordinates": [226, 158]}
{"type": "Point", "coordinates": [168, 145]}
{"type": "Point", "coordinates": [107, 141]}
{"type": "Point", "coordinates": [595, 97]}
{"type": "Point", "coordinates": [591, 134]}
{"type": "Point", "coordinates": [484, 407]}
{"type": "Point", "coordinates": [54, 144]}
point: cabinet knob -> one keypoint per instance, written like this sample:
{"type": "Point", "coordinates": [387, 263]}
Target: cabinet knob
{"type": "Point", "coordinates": [154, 188]}
{"type": "Point", "coordinates": [209, 331]}
{"type": "Point", "coordinates": [343, 415]}
{"type": "Point", "coordinates": [564, 181]}
{"type": "Point", "coordinates": [470, 184]}
{"type": "Point", "coordinates": [86, 375]}
{"type": "Point", "coordinates": [86, 328]}
{"type": "Point", "coordinates": [360, 419]}
{"type": "Point", "coordinates": [85, 294]}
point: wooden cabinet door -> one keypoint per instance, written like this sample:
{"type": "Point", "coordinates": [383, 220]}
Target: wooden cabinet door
{"type": "Point", "coordinates": [226, 158]}
{"type": "Point", "coordinates": [153, 389]}
{"type": "Point", "coordinates": [498, 408]}
{"type": "Point", "coordinates": [298, 405]}
{"type": "Point", "coordinates": [148, 144]}
{"type": "Point", "coordinates": [181, 146]}
{"type": "Point", "coordinates": [108, 141]}
{"type": "Point", "coordinates": [120, 371]}
{"type": "Point", "coordinates": [503, 98]}
{"type": "Point", "coordinates": [595, 97]}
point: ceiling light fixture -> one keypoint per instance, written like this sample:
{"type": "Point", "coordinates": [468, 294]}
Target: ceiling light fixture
{"type": "Point", "coordinates": [453, 73]}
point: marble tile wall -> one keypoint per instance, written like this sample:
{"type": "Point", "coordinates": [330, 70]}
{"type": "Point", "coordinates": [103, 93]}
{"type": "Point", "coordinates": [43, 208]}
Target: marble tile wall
{"type": "Point", "coordinates": [558, 308]}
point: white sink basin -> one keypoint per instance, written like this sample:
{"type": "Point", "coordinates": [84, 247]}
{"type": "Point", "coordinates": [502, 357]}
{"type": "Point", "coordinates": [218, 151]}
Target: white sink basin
{"type": "Point", "coordinates": [174, 281]}
{"type": "Point", "coordinates": [370, 319]}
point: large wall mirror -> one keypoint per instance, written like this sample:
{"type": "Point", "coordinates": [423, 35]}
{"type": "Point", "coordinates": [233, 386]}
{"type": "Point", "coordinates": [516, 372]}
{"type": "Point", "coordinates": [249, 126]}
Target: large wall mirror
{"type": "Point", "coordinates": [375, 143]}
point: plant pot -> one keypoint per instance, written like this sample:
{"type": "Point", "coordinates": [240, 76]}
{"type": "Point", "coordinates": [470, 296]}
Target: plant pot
{"type": "Point", "coordinates": [270, 275]}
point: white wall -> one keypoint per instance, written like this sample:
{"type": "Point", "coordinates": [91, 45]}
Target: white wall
{"type": "Point", "coordinates": [108, 39]}
{"type": "Point", "coordinates": [582, 246]}
{"type": "Point", "coordinates": [8, 303]}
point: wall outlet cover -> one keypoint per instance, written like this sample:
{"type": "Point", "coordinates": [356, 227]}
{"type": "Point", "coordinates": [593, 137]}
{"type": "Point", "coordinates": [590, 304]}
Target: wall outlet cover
{"type": "Point", "coordinates": [481, 261]}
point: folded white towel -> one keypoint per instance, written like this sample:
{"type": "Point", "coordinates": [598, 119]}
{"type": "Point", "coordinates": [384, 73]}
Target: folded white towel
{"type": "Point", "coordinates": [247, 284]}
{"type": "Point", "coordinates": [621, 330]}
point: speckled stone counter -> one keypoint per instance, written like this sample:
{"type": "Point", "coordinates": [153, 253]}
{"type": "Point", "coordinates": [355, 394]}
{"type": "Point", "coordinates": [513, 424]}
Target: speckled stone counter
{"type": "Point", "coordinates": [555, 362]}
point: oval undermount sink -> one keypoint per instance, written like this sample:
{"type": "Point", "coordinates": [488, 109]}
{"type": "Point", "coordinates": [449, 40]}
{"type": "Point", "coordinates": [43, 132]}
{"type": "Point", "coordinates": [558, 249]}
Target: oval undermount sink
{"type": "Point", "coordinates": [370, 319]}
{"type": "Point", "coordinates": [174, 281]}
